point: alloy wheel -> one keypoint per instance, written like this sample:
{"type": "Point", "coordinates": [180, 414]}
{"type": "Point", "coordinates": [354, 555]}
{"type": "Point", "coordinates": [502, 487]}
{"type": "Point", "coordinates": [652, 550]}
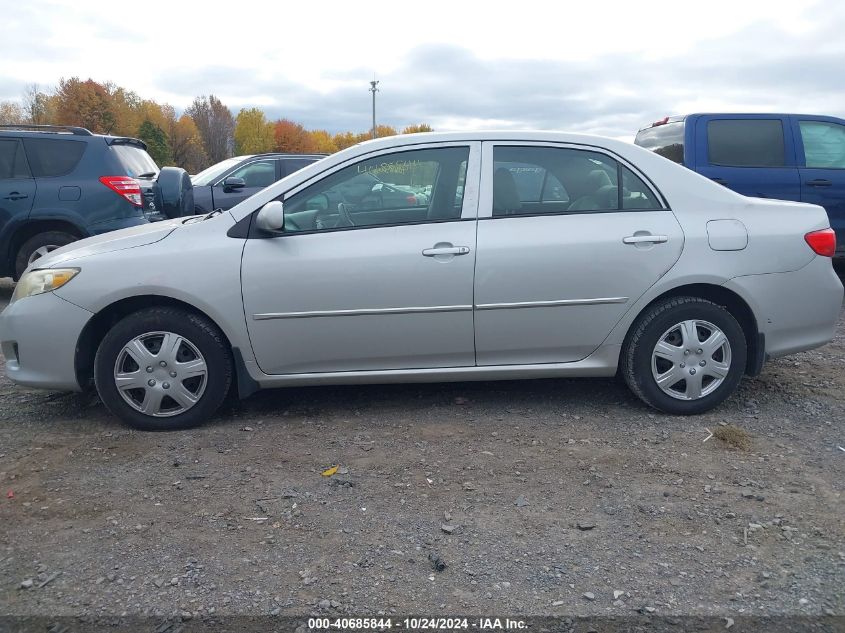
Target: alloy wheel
{"type": "Point", "coordinates": [38, 253]}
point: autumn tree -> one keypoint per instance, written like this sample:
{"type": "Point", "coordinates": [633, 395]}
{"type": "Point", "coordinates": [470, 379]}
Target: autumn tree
{"type": "Point", "coordinates": [11, 113]}
{"type": "Point", "coordinates": [342, 140]}
{"type": "Point", "coordinates": [39, 107]}
{"type": "Point", "coordinates": [292, 137]}
{"type": "Point", "coordinates": [253, 133]}
{"type": "Point", "coordinates": [421, 127]}
{"type": "Point", "coordinates": [216, 126]}
{"type": "Point", "coordinates": [158, 145]}
{"type": "Point", "coordinates": [86, 104]}
{"type": "Point", "coordinates": [382, 131]}
{"type": "Point", "coordinates": [186, 145]}
{"type": "Point", "coordinates": [323, 142]}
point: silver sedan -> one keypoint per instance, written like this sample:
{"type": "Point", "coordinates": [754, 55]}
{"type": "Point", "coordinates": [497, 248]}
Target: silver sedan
{"type": "Point", "coordinates": [533, 255]}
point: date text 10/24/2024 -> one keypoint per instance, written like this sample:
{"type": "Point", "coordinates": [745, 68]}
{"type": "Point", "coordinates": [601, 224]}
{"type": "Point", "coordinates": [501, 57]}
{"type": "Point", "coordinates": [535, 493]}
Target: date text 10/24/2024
{"type": "Point", "coordinates": [416, 624]}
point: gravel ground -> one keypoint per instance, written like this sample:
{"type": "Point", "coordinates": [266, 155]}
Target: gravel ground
{"type": "Point", "coordinates": [540, 497]}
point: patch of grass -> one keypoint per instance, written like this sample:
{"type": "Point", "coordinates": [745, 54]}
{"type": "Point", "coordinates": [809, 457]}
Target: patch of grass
{"type": "Point", "coordinates": [733, 436]}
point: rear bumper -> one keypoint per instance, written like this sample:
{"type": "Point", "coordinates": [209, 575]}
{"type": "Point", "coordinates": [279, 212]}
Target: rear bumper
{"type": "Point", "coordinates": [795, 311]}
{"type": "Point", "coordinates": [38, 337]}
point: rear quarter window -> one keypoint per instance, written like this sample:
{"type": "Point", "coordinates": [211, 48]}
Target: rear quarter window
{"type": "Point", "coordinates": [666, 140]}
{"type": "Point", "coordinates": [50, 157]}
{"type": "Point", "coordinates": [745, 143]}
{"type": "Point", "coordinates": [135, 160]}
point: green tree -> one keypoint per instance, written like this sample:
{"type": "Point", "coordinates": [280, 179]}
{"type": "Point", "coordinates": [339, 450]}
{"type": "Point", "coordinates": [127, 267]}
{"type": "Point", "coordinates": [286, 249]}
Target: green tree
{"type": "Point", "coordinates": [253, 134]}
{"type": "Point", "coordinates": [157, 143]}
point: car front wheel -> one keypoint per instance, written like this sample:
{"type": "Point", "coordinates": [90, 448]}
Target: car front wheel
{"type": "Point", "coordinates": [684, 356]}
{"type": "Point", "coordinates": [163, 369]}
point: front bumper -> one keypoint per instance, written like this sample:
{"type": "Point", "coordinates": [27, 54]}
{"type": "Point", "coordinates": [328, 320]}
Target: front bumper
{"type": "Point", "coordinates": [795, 311]}
{"type": "Point", "coordinates": [38, 337]}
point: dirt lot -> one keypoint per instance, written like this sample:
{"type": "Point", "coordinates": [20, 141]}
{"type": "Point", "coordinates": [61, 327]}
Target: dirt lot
{"type": "Point", "coordinates": [542, 497]}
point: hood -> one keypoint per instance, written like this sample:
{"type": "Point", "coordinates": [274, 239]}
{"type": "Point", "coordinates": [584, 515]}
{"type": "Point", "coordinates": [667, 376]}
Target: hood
{"type": "Point", "coordinates": [109, 242]}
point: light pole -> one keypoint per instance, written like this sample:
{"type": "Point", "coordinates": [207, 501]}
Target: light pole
{"type": "Point", "coordinates": [374, 90]}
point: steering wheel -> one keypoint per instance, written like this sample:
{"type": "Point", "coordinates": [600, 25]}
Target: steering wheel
{"type": "Point", "coordinates": [342, 215]}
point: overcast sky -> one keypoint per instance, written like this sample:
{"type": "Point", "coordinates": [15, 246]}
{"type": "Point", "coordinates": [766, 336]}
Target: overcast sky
{"type": "Point", "coordinates": [600, 67]}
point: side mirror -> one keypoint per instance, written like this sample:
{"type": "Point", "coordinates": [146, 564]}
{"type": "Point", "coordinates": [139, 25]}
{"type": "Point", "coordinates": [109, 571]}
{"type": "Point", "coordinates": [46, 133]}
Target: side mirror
{"type": "Point", "coordinates": [271, 217]}
{"type": "Point", "coordinates": [232, 184]}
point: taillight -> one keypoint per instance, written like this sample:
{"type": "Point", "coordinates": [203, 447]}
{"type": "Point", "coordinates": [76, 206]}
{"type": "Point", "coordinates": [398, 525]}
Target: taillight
{"type": "Point", "coordinates": [126, 187]}
{"type": "Point", "coordinates": [822, 242]}
{"type": "Point", "coordinates": [412, 200]}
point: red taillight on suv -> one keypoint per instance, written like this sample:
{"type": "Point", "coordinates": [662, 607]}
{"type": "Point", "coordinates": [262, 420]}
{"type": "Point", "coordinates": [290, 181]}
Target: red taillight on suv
{"type": "Point", "coordinates": [126, 187]}
{"type": "Point", "coordinates": [411, 199]}
{"type": "Point", "coordinates": [822, 242]}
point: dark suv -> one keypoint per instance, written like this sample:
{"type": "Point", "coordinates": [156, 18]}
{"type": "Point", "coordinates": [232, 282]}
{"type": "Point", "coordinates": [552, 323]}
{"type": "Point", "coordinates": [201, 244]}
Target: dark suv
{"type": "Point", "coordinates": [59, 184]}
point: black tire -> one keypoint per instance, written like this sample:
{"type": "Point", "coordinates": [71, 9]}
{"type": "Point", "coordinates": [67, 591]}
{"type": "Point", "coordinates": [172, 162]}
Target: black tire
{"type": "Point", "coordinates": [636, 360]}
{"type": "Point", "coordinates": [174, 193]}
{"type": "Point", "coordinates": [200, 332]}
{"type": "Point", "coordinates": [49, 239]}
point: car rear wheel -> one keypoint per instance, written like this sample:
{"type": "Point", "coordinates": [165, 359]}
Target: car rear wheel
{"type": "Point", "coordinates": [684, 356]}
{"type": "Point", "coordinates": [163, 369]}
{"type": "Point", "coordinates": [38, 246]}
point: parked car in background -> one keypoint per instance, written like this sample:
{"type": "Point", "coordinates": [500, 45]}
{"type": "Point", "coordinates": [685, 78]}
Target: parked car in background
{"type": "Point", "coordinates": [60, 184]}
{"type": "Point", "coordinates": [784, 156]}
{"type": "Point", "coordinates": [615, 259]}
{"type": "Point", "coordinates": [233, 180]}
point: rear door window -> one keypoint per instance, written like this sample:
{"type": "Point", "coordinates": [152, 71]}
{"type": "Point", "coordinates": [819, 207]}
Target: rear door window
{"type": "Point", "coordinates": [50, 157]}
{"type": "Point", "coordinates": [546, 180]}
{"type": "Point", "coordinates": [291, 165]}
{"type": "Point", "coordinates": [824, 144]}
{"type": "Point", "coordinates": [12, 160]}
{"type": "Point", "coordinates": [746, 143]}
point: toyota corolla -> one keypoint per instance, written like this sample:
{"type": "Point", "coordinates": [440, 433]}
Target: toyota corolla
{"type": "Point", "coordinates": [534, 254]}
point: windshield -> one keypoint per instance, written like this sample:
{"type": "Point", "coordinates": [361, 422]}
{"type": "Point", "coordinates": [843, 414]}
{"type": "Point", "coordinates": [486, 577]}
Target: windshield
{"type": "Point", "coordinates": [135, 160]}
{"type": "Point", "coordinates": [209, 175]}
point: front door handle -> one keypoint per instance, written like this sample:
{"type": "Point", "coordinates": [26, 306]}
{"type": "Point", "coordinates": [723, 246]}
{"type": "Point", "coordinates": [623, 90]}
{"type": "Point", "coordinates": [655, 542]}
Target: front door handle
{"type": "Point", "coordinates": [645, 239]}
{"type": "Point", "coordinates": [16, 196]}
{"type": "Point", "coordinates": [445, 250]}
{"type": "Point", "coordinates": [819, 182]}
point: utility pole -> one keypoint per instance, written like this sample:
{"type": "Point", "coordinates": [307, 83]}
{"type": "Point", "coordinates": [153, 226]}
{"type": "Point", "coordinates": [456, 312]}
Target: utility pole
{"type": "Point", "coordinates": [374, 90]}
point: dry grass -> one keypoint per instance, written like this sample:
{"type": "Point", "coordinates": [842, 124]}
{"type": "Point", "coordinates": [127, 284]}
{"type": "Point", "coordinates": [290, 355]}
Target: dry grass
{"type": "Point", "coordinates": [733, 437]}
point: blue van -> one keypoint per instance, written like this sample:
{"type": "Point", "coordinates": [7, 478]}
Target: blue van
{"type": "Point", "coordinates": [785, 156]}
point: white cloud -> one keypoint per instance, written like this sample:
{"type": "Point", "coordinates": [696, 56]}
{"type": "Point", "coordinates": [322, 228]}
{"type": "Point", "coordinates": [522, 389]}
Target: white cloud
{"type": "Point", "coordinates": [605, 67]}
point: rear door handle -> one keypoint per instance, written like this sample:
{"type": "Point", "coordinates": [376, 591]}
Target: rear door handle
{"type": "Point", "coordinates": [16, 196]}
{"type": "Point", "coordinates": [645, 239]}
{"type": "Point", "coordinates": [445, 250]}
{"type": "Point", "coordinates": [819, 182]}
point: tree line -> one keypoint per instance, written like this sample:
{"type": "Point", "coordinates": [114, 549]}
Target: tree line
{"type": "Point", "coordinates": [205, 133]}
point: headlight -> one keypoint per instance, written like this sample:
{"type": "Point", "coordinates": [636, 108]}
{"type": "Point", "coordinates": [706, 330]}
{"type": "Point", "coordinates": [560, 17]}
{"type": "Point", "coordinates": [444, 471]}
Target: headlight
{"type": "Point", "coordinates": [37, 281]}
